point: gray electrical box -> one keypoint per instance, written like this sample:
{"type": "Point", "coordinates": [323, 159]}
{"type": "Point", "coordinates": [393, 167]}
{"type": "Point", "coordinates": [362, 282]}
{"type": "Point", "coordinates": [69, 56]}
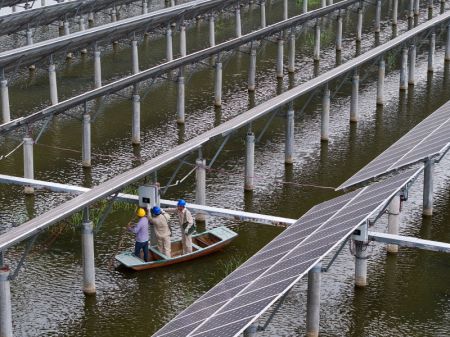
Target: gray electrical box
{"type": "Point", "coordinates": [148, 196]}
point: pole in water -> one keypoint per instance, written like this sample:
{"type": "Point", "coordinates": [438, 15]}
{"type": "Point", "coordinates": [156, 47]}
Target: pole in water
{"type": "Point", "coordinates": [412, 65]}
{"type": "Point", "coordinates": [180, 98]}
{"type": "Point", "coordinates": [169, 50]}
{"type": "Point", "coordinates": [87, 238]}
{"type": "Point", "coordinates": [280, 51]}
{"type": "Point", "coordinates": [218, 83]}
{"type": "Point", "coordinates": [403, 69]}
{"type": "Point", "coordinates": [238, 22]}
{"type": "Point", "coordinates": [136, 119]}
{"type": "Point", "coordinates": [6, 329]}
{"type": "Point", "coordinates": [263, 14]}
{"type": "Point", "coordinates": [354, 102]}
{"type": "Point", "coordinates": [53, 84]}
{"type": "Point", "coordinates": [339, 33]}
{"type": "Point", "coordinates": [393, 221]}
{"type": "Point", "coordinates": [380, 84]}
{"type": "Point", "coordinates": [28, 162]}
{"type": "Point", "coordinates": [359, 25]}
{"type": "Point", "coordinates": [6, 112]}
{"type": "Point", "coordinates": [313, 301]}
{"type": "Point", "coordinates": [325, 120]}
{"type": "Point", "coordinates": [428, 187]}
{"type": "Point", "coordinates": [431, 52]}
{"type": "Point", "coordinates": [212, 34]}
{"type": "Point", "coordinates": [97, 68]}
{"type": "Point", "coordinates": [291, 58]}
{"type": "Point", "coordinates": [86, 145]}
{"type": "Point", "coordinates": [252, 70]}
{"type": "Point", "coordinates": [200, 186]}
{"type": "Point", "coordinates": [317, 42]}
{"type": "Point", "coordinates": [289, 145]}
{"type": "Point", "coordinates": [250, 162]}
{"type": "Point", "coordinates": [183, 40]}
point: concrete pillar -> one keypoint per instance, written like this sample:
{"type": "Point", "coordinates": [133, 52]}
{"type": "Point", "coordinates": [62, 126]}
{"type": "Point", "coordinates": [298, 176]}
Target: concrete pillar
{"type": "Point", "coordinates": [251, 331]}
{"type": "Point", "coordinates": [354, 102]}
{"type": "Point", "coordinates": [359, 25]}
{"type": "Point", "coordinates": [183, 40]}
{"type": "Point", "coordinates": [97, 69]}
{"type": "Point", "coordinates": [428, 187]}
{"type": "Point", "coordinates": [218, 84]}
{"type": "Point", "coordinates": [305, 6]}
{"type": "Point", "coordinates": [280, 57]}
{"type": "Point", "coordinates": [447, 45]}
{"type": "Point", "coordinates": [250, 161]}
{"type": "Point", "coordinates": [339, 33]}
{"type": "Point", "coordinates": [113, 14]}
{"type": "Point", "coordinates": [325, 120]}
{"type": "Point", "coordinates": [416, 7]}
{"type": "Point", "coordinates": [86, 145]}
{"type": "Point", "coordinates": [291, 55]}
{"type": "Point", "coordinates": [66, 28]}
{"type": "Point", "coordinates": [200, 186]}
{"type": "Point", "coordinates": [238, 22]}
{"type": "Point", "coordinates": [87, 241]}
{"type": "Point", "coordinates": [91, 19]}
{"type": "Point", "coordinates": [378, 17]}
{"type": "Point", "coordinates": [360, 264]}
{"type": "Point", "coordinates": [53, 85]}
{"type": "Point", "coordinates": [136, 119]}
{"type": "Point", "coordinates": [317, 42]}
{"type": "Point", "coordinates": [252, 70]}
{"type": "Point", "coordinates": [411, 9]}
{"type": "Point", "coordinates": [28, 162]}
{"type": "Point", "coordinates": [431, 52]}
{"type": "Point", "coordinates": [393, 221]}
{"type": "Point", "coordinates": [380, 84]}
{"type": "Point", "coordinates": [313, 301]}
{"type": "Point", "coordinates": [263, 14]}
{"type": "Point", "coordinates": [134, 57]}
{"type": "Point", "coordinates": [403, 69]}
{"type": "Point", "coordinates": [412, 65]}
{"type": "Point", "coordinates": [29, 34]}
{"type": "Point", "coordinates": [289, 144]}
{"type": "Point", "coordinates": [323, 3]}
{"type": "Point", "coordinates": [212, 34]}
{"type": "Point", "coordinates": [285, 10]}
{"type": "Point", "coordinates": [169, 50]}
{"type": "Point", "coordinates": [82, 23]}
{"type": "Point", "coordinates": [395, 13]}
{"type": "Point", "coordinates": [4, 92]}
{"type": "Point", "coordinates": [144, 7]}
{"type": "Point", "coordinates": [5, 304]}
{"type": "Point", "coordinates": [180, 99]}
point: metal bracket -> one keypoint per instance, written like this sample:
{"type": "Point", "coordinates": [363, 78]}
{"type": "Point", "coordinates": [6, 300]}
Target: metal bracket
{"type": "Point", "coordinates": [99, 224]}
{"type": "Point", "coordinates": [22, 259]}
{"type": "Point", "coordinates": [218, 151]}
{"type": "Point", "coordinates": [263, 131]}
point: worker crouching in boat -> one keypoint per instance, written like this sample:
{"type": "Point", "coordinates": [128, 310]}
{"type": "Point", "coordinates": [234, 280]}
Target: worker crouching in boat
{"type": "Point", "coordinates": [186, 223]}
{"type": "Point", "coordinates": [162, 230]}
{"type": "Point", "coordinates": [141, 231]}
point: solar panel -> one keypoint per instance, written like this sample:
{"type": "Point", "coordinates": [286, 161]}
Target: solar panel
{"type": "Point", "coordinates": [229, 307]}
{"type": "Point", "coordinates": [429, 138]}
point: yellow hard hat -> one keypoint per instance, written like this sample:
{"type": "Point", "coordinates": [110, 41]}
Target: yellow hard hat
{"type": "Point", "coordinates": [140, 212]}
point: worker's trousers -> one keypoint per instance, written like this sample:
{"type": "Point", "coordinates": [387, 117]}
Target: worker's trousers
{"type": "Point", "coordinates": [186, 241]}
{"type": "Point", "coordinates": [164, 245]}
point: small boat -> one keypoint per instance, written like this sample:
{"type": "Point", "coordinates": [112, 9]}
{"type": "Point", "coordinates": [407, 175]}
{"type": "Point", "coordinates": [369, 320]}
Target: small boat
{"type": "Point", "coordinates": [202, 244]}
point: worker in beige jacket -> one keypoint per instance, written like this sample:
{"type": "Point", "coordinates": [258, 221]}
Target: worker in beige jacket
{"type": "Point", "coordinates": [186, 223]}
{"type": "Point", "coordinates": [160, 223]}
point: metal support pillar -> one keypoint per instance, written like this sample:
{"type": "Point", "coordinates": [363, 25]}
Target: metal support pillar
{"type": "Point", "coordinates": [395, 13]}
{"type": "Point", "coordinates": [416, 7]}
{"type": "Point", "coordinates": [87, 239]}
{"type": "Point", "coordinates": [134, 57]}
{"type": "Point", "coordinates": [113, 14]}
{"type": "Point", "coordinates": [431, 52]}
{"type": "Point", "coordinates": [6, 112]}
{"type": "Point", "coordinates": [169, 50]}
{"type": "Point", "coordinates": [251, 331]}
{"type": "Point", "coordinates": [359, 25]}
{"type": "Point", "coordinates": [285, 10]}
{"type": "Point", "coordinates": [263, 14]}
{"type": "Point", "coordinates": [313, 301]}
{"type": "Point", "coordinates": [289, 145]}
{"type": "Point", "coordinates": [28, 162]}
{"type": "Point", "coordinates": [393, 221]}
{"type": "Point", "coordinates": [280, 50]}
{"type": "Point", "coordinates": [252, 70]}
{"type": "Point", "coordinates": [6, 329]}
{"type": "Point", "coordinates": [183, 40]}
{"type": "Point", "coordinates": [305, 6]}
{"type": "Point", "coordinates": [447, 44]}
{"type": "Point", "coordinates": [339, 33]}
{"type": "Point", "coordinates": [325, 120]}
{"type": "Point", "coordinates": [53, 85]}
{"type": "Point", "coordinates": [218, 83]}
{"type": "Point", "coordinates": [360, 264]}
{"type": "Point", "coordinates": [291, 55]}
{"type": "Point", "coordinates": [66, 28]}
{"type": "Point", "coordinates": [428, 187]}
{"type": "Point", "coordinates": [136, 119]}
{"type": "Point", "coordinates": [380, 84]}
{"type": "Point", "coordinates": [238, 22]}
{"type": "Point", "coordinates": [317, 42]}
{"type": "Point", "coordinates": [411, 10]}
{"type": "Point", "coordinates": [91, 19]}
{"type": "Point", "coordinates": [200, 186]}
{"type": "Point", "coordinates": [86, 144]}
{"type": "Point", "coordinates": [412, 65]}
{"type": "Point", "coordinates": [29, 34]}
{"type": "Point", "coordinates": [180, 98]}
{"type": "Point", "coordinates": [212, 34]}
{"type": "Point", "coordinates": [403, 69]}
{"type": "Point", "coordinates": [250, 162]}
{"type": "Point", "coordinates": [354, 102]}
{"type": "Point", "coordinates": [144, 7]}
{"type": "Point", "coordinates": [97, 68]}
{"type": "Point", "coordinates": [378, 17]}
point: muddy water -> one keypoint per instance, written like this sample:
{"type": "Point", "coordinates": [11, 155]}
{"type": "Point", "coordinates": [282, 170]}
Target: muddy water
{"type": "Point", "coordinates": [408, 294]}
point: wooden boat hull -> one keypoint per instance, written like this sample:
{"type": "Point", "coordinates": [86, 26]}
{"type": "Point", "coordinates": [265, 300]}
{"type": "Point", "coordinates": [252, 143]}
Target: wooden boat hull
{"type": "Point", "coordinates": [203, 244]}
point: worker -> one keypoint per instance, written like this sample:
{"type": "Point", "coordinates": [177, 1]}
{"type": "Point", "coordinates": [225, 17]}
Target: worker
{"type": "Point", "coordinates": [186, 224]}
{"type": "Point", "coordinates": [159, 221]}
{"type": "Point", "coordinates": [141, 230]}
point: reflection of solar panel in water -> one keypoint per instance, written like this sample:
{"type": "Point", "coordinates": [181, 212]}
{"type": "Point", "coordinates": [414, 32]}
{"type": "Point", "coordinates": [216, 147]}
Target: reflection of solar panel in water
{"type": "Point", "coordinates": [430, 137]}
{"type": "Point", "coordinates": [246, 293]}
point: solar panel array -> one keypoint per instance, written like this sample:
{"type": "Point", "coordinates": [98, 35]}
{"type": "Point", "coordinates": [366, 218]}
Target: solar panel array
{"type": "Point", "coordinates": [229, 307]}
{"type": "Point", "coordinates": [430, 137]}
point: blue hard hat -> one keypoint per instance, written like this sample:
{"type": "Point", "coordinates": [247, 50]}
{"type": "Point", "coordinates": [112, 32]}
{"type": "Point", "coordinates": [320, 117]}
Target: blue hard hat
{"type": "Point", "coordinates": [181, 202]}
{"type": "Point", "coordinates": [156, 210]}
